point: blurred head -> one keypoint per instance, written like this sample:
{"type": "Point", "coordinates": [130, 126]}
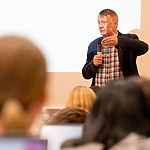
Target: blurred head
{"type": "Point", "coordinates": [82, 97]}
{"type": "Point", "coordinates": [120, 108]}
{"type": "Point", "coordinates": [70, 114]}
{"type": "Point", "coordinates": [107, 21]}
{"type": "Point", "coordinates": [144, 84]}
{"type": "Point", "coordinates": [22, 82]}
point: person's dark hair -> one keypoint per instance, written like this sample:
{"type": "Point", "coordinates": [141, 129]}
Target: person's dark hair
{"type": "Point", "coordinates": [110, 12]}
{"type": "Point", "coordinates": [144, 84]}
{"type": "Point", "coordinates": [70, 114]}
{"type": "Point", "coordinates": [120, 108]}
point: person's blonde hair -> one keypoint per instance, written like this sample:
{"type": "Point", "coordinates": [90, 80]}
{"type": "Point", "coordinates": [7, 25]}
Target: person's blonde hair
{"type": "Point", "coordinates": [81, 96]}
{"type": "Point", "coordinates": [22, 80]}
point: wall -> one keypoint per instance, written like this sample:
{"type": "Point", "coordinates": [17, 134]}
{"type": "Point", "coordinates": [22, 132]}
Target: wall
{"type": "Point", "coordinates": [60, 83]}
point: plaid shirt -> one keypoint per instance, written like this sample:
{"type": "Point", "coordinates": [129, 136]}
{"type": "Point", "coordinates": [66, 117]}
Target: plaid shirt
{"type": "Point", "coordinates": [110, 68]}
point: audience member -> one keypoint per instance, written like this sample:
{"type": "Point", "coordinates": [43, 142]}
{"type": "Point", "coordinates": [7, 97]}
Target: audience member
{"type": "Point", "coordinates": [81, 96]}
{"type": "Point", "coordinates": [22, 84]}
{"type": "Point", "coordinates": [70, 114]}
{"type": "Point", "coordinates": [119, 120]}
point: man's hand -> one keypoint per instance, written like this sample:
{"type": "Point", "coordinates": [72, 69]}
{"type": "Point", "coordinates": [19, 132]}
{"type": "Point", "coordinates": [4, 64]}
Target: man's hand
{"type": "Point", "coordinates": [98, 60]}
{"type": "Point", "coordinates": [111, 40]}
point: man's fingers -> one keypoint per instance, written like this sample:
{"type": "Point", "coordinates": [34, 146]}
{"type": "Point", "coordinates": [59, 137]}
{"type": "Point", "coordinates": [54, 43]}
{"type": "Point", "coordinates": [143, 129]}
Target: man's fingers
{"type": "Point", "coordinates": [106, 40]}
{"type": "Point", "coordinates": [98, 58]}
{"type": "Point", "coordinates": [109, 42]}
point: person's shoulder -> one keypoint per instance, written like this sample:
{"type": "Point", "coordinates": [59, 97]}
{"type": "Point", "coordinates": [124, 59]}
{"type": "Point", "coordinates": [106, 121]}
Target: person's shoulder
{"type": "Point", "coordinates": [87, 146]}
{"type": "Point", "coordinates": [133, 141]}
{"type": "Point", "coordinates": [93, 45]}
{"type": "Point", "coordinates": [128, 35]}
{"type": "Point", "coordinates": [96, 40]}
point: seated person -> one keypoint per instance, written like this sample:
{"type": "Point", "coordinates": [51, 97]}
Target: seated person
{"type": "Point", "coordinates": [22, 85]}
{"type": "Point", "coordinates": [119, 120]}
{"type": "Point", "coordinates": [70, 114]}
{"type": "Point", "coordinates": [82, 97]}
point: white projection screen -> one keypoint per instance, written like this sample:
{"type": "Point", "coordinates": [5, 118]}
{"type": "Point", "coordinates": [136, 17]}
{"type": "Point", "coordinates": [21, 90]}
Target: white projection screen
{"type": "Point", "coordinates": [63, 29]}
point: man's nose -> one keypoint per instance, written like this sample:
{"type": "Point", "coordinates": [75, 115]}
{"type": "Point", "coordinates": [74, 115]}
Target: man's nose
{"type": "Point", "coordinates": [100, 24]}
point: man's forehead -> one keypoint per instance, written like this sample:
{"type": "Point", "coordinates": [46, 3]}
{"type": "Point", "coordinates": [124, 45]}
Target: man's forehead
{"type": "Point", "coordinates": [102, 17]}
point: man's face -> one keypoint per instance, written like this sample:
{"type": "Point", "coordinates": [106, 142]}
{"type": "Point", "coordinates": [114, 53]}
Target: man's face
{"type": "Point", "coordinates": [106, 25]}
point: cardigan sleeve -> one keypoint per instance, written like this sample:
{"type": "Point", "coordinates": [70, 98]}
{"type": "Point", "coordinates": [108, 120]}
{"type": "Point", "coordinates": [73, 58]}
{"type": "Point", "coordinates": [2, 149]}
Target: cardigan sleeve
{"type": "Point", "coordinates": [89, 70]}
{"type": "Point", "coordinates": [131, 42]}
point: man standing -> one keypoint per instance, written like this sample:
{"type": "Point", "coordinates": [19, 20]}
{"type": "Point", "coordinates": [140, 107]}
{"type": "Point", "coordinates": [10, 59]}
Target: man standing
{"type": "Point", "coordinates": [119, 52]}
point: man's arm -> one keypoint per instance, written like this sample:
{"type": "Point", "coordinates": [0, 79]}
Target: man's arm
{"type": "Point", "coordinates": [92, 62]}
{"type": "Point", "coordinates": [131, 42]}
{"type": "Point", "coordinates": [89, 70]}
